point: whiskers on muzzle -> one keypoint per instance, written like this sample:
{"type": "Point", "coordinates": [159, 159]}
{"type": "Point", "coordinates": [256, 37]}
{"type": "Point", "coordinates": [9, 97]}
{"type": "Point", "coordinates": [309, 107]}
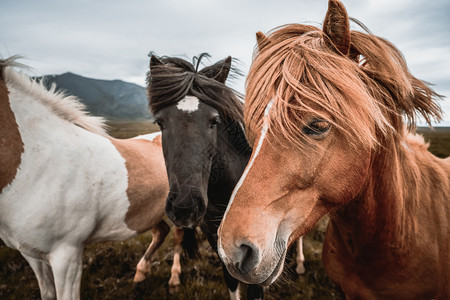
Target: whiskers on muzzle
{"type": "Point", "coordinates": [185, 210]}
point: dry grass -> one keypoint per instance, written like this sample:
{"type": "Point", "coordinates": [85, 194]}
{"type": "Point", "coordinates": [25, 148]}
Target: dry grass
{"type": "Point", "coordinates": [108, 270]}
{"type": "Point", "coordinates": [123, 130]}
{"type": "Point", "coordinates": [439, 139]}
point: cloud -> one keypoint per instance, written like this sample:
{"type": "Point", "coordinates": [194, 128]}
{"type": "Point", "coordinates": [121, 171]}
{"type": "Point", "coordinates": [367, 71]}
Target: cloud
{"type": "Point", "coordinates": [111, 39]}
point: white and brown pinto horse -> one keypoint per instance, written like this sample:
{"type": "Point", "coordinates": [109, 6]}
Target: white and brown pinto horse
{"type": "Point", "coordinates": [325, 113]}
{"type": "Point", "coordinates": [65, 183]}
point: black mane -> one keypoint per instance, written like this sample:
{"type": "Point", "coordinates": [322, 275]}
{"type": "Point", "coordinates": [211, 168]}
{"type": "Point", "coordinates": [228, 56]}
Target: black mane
{"type": "Point", "coordinates": [175, 78]}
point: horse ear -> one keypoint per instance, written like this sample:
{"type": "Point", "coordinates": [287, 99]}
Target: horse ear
{"type": "Point", "coordinates": [336, 26]}
{"type": "Point", "coordinates": [219, 71]}
{"type": "Point", "coordinates": [262, 40]}
{"type": "Point", "coordinates": [154, 61]}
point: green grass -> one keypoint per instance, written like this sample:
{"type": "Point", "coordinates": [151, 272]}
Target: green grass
{"type": "Point", "coordinates": [130, 129]}
{"type": "Point", "coordinates": [108, 268]}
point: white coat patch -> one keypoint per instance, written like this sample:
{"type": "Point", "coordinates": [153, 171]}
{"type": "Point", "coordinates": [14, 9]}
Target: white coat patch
{"type": "Point", "coordinates": [51, 159]}
{"type": "Point", "coordinates": [188, 104]}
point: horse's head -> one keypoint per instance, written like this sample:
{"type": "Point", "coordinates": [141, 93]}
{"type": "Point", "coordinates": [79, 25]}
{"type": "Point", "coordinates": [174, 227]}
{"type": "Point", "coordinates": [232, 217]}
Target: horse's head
{"type": "Point", "coordinates": [318, 105]}
{"type": "Point", "coordinates": [189, 141]}
{"type": "Point", "coordinates": [189, 108]}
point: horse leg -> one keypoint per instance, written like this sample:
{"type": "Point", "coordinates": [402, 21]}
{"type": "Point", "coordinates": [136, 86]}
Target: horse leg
{"type": "Point", "coordinates": [254, 291]}
{"type": "Point", "coordinates": [300, 257]}
{"type": "Point", "coordinates": [175, 272]}
{"type": "Point", "coordinates": [232, 284]}
{"type": "Point", "coordinates": [159, 233]}
{"type": "Point", "coordinates": [66, 263]}
{"type": "Point", "coordinates": [44, 276]}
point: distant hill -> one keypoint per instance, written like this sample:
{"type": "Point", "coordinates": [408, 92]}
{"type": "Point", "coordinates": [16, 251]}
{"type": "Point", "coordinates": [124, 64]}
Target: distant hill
{"type": "Point", "coordinates": [115, 100]}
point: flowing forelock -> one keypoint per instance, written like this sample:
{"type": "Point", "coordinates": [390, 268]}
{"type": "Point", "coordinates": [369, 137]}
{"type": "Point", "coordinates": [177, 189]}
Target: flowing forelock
{"type": "Point", "coordinates": [176, 78]}
{"type": "Point", "coordinates": [367, 94]}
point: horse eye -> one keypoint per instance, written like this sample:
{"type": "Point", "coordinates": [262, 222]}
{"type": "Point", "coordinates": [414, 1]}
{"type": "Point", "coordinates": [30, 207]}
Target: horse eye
{"type": "Point", "coordinates": [214, 122]}
{"type": "Point", "coordinates": [316, 127]}
{"type": "Point", "coordinates": [160, 123]}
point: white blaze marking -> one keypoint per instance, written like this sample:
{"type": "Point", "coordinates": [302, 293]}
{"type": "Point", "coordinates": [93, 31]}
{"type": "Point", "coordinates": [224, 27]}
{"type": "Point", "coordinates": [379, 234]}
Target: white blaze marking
{"type": "Point", "coordinates": [188, 104]}
{"type": "Point", "coordinates": [264, 130]}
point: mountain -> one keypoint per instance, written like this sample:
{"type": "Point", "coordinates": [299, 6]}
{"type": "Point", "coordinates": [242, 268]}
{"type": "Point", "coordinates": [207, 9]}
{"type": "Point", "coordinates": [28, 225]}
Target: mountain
{"type": "Point", "coordinates": [113, 99]}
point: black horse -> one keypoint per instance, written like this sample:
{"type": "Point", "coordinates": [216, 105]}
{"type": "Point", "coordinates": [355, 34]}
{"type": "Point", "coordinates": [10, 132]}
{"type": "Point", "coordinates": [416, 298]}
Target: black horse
{"type": "Point", "coordinates": [204, 143]}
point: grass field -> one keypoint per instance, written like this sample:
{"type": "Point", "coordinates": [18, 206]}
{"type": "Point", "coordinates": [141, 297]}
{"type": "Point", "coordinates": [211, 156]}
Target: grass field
{"type": "Point", "coordinates": [439, 139]}
{"type": "Point", "coordinates": [123, 130]}
{"type": "Point", "coordinates": [108, 268]}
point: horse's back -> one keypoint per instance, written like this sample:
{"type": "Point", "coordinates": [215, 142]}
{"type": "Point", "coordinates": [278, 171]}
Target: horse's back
{"type": "Point", "coordinates": [416, 143]}
{"type": "Point", "coordinates": [446, 166]}
{"type": "Point", "coordinates": [154, 137]}
{"type": "Point", "coordinates": [147, 181]}
{"type": "Point", "coordinates": [11, 145]}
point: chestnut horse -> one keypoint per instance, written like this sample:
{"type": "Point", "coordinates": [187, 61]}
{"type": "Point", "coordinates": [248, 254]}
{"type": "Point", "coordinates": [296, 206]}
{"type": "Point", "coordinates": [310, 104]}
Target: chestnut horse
{"type": "Point", "coordinates": [326, 112]}
{"type": "Point", "coordinates": [65, 183]}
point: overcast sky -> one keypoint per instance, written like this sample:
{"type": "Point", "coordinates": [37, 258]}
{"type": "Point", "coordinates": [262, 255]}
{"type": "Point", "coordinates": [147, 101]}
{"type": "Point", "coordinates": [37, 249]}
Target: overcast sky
{"type": "Point", "coordinates": [111, 39]}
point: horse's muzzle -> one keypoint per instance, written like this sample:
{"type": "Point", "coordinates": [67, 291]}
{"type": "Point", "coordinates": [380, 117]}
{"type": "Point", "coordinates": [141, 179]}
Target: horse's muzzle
{"type": "Point", "coordinates": [187, 211]}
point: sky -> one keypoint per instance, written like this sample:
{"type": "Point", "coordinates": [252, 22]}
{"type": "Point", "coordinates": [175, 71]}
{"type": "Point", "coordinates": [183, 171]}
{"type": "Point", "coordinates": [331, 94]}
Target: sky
{"type": "Point", "coordinates": [111, 39]}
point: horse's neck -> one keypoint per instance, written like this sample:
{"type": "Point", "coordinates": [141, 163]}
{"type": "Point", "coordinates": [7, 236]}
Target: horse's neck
{"type": "Point", "coordinates": [402, 184]}
{"type": "Point", "coordinates": [35, 116]}
{"type": "Point", "coordinates": [228, 164]}
{"type": "Point", "coordinates": [233, 154]}
{"type": "Point", "coordinates": [11, 144]}
{"type": "Point", "coordinates": [44, 131]}
{"type": "Point", "coordinates": [8, 123]}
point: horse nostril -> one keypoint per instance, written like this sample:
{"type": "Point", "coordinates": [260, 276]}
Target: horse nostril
{"type": "Point", "coordinates": [248, 257]}
{"type": "Point", "coordinates": [185, 211]}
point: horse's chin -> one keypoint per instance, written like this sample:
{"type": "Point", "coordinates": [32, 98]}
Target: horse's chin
{"type": "Point", "coordinates": [276, 271]}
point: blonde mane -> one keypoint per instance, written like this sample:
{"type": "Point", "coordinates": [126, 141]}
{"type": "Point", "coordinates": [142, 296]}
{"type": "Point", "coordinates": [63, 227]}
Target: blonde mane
{"type": "Point", "coordinates": [67, 107]}
{"type": "Point", "coordinates": [366, 93]}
